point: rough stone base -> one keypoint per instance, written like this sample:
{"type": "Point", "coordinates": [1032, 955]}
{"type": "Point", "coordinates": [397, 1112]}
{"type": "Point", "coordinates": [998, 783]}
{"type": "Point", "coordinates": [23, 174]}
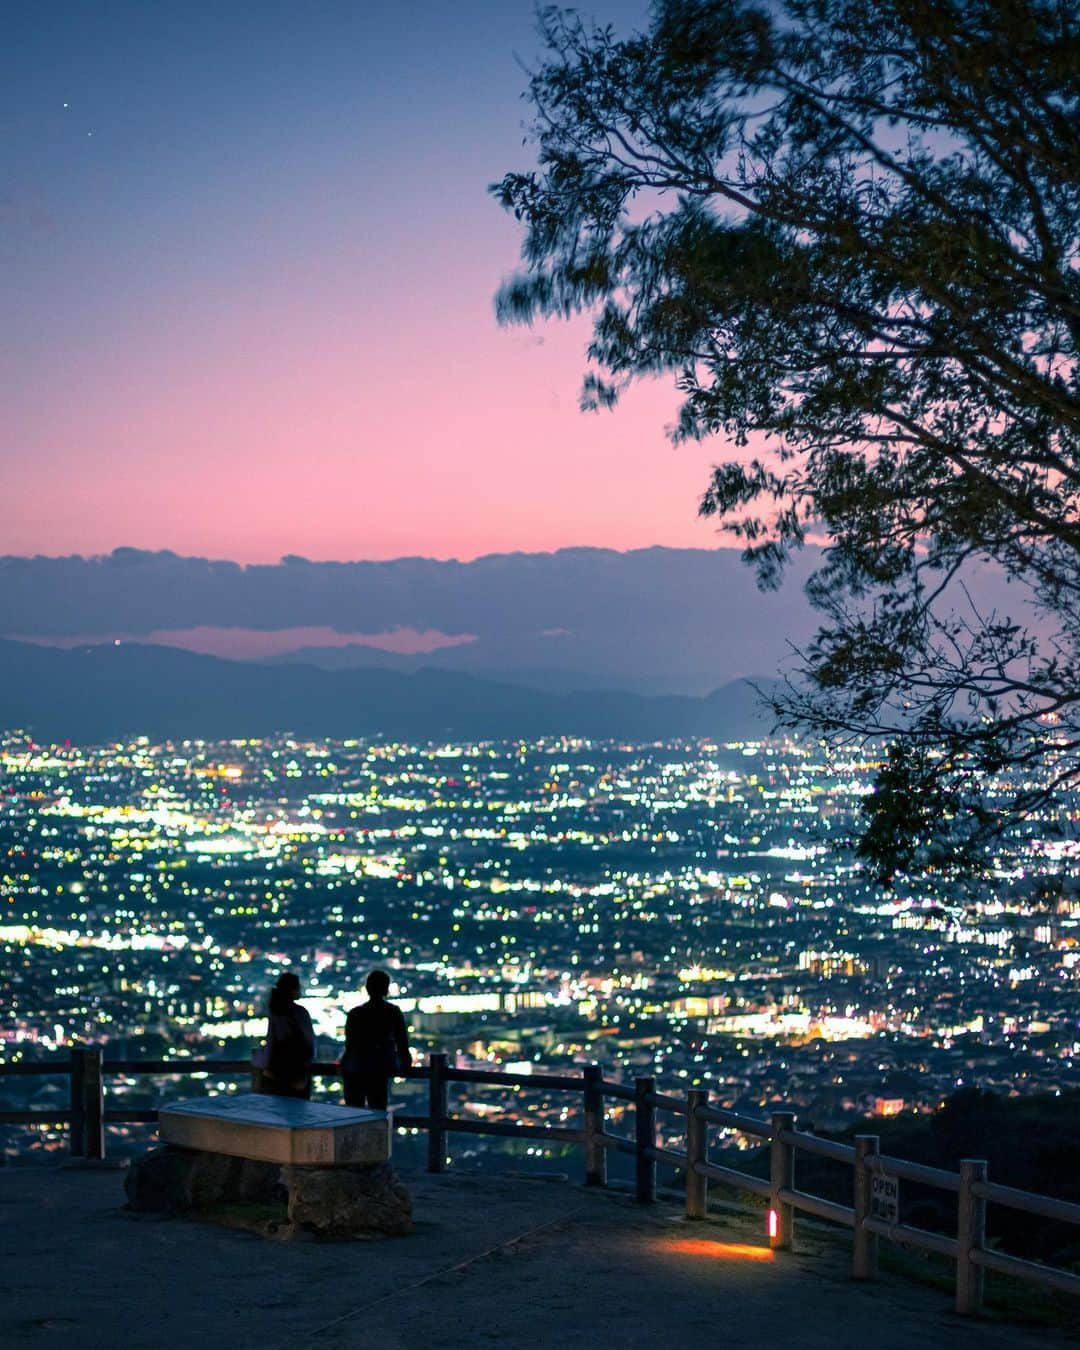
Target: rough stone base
{"type": "Point", "coordinates": [172, 1180]}
{"type": "Point", "coordinates": [342, 1202]}
{"type": "Point", "coordinates": [332, 1202]}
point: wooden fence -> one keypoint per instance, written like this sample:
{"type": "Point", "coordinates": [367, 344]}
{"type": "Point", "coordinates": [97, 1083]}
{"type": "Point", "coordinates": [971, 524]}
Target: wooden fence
{"type": "Point", "coordinates": [872, 1215]}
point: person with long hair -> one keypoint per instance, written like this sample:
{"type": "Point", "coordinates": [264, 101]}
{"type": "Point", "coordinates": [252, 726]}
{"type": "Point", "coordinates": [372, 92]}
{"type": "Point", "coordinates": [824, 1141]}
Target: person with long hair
{"type": "Point", "coordinates": [290, 1042]}
{"type": "Point", "coordinates": [376, 1046]}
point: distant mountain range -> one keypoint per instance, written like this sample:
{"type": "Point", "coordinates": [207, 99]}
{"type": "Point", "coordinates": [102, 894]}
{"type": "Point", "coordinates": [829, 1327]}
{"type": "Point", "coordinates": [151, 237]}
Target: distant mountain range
{"type": "Point", "coordinates": [99, 693]}
{"type": "Point", "coordinates": [654, 621]}
{"type": "Point", "coordinates": [478, 659]}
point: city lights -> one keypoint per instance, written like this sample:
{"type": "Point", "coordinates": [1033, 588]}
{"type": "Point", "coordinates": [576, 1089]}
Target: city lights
{"type": "Point", "coordinates": [691, 910]}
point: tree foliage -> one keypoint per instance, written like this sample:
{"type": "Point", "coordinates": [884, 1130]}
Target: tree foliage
{"type": "Point", "coordinates": [849, 229]}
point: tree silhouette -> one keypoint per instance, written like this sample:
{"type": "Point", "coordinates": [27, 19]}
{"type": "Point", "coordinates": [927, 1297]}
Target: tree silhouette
{"type": "Point", "coordinates": [849, 229]}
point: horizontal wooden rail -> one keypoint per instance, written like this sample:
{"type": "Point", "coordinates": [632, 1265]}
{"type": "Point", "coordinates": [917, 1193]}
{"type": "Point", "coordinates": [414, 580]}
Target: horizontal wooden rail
{"type": "Point", "coordinates": [742, 1181]}
{"type": "Point", "coordinates": [137, 1066]}
{"type": "Point", "coordinates": [44, 1115]}
{"type": "Point", "coordinates": [823, 1148]}
{"type": "Point", "coordinates": [561, 1082]}
{"type": "Point", "coordinates": [1045, 1205]}
{"type": "Point", "coordinates": [508, 1129]}
{"type": "Point", "coordinates": [913, 1237]}
{"type": "Point", "coordinates": [1028, 1271]}
{"type": "Point", "coordinates": [36, 1067]}
{"type": "Point", "coordinates": [912, 1171]}
{"type": "Point", "coordinates": [732, 1120]}
{"type": "Point", "coordinates": [323, 1068]}
{"type": "Point", "coordinates": [821, 1209]}
{"type": "Point", "coordinates": [618, 1090]}
{"type": "Point", "coordinates": [617, 1143]}
{"type": "Point", "coordinates": [668, 1103]}
{"type": "Point", "coordinates": [666, 1155]}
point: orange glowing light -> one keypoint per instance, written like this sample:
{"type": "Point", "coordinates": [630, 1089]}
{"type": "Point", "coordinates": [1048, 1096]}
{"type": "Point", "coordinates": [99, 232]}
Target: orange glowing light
{"type": "Point", "coordinates": [774, 1224]}
{"type": "Point", "coordinates": [725, 1251]}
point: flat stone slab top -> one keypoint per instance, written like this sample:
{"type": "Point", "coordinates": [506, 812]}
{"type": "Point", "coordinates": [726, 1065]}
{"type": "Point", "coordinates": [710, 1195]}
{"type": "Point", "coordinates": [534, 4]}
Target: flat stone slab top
{"type": "Point", "coordinates": [278, 1129]}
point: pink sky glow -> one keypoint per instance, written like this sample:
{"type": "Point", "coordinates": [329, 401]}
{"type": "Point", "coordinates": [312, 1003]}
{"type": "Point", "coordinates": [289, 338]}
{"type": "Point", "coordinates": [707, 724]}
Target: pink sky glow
{"type": "Point", "coordinates": [320, 432]}
{"type": "Point", "coordinates": [250, 276]}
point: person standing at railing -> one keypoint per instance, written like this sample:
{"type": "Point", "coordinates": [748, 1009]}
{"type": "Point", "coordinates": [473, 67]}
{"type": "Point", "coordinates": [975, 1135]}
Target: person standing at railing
{"type": "Point", "coordinates": [376, 1046]}
{"type": "Point", "coordinates": [290, 1042]}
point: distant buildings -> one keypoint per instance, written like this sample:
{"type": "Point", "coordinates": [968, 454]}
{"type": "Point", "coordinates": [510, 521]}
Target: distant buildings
{"type": "Point", "coordinates": [688, 909]}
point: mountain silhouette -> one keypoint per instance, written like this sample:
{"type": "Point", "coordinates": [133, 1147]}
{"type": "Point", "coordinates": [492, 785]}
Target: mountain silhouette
{"type": "Point", "coordinates": [657, 620]}
{"type": "Point", "coordinates": [104, 692]}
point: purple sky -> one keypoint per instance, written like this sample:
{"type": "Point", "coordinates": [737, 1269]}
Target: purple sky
{"type": "Point", "coordinates": [248, 273]}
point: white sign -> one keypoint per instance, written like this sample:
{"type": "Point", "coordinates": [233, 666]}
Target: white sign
{"type": "Point", "coordinates": [884, 1197]}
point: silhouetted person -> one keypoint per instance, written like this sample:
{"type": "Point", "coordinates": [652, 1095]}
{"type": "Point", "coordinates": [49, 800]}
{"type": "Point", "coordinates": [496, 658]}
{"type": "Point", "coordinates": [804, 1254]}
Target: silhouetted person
{"type": "Point", "coordinates": [290, 1042]}
{"type": "Point", "coordinates": [376, 1046]}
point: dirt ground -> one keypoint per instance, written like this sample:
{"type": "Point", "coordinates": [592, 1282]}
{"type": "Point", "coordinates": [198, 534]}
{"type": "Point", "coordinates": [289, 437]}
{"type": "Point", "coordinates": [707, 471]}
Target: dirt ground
{"type": "Point", "coordinates": [493, 1261]}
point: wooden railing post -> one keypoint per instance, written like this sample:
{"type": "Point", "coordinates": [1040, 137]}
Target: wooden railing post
{"type": "Point", "coordinates": [864, 1257]}
{"type": "Point", "coordinates": [256, 1072]}
{"type": "Point", "coordinates": [697, 1155]}
{"type": "Point", "coordinates": [644, 1140]}
{"type": "Point", "coordinates": [75, 1087]}
{"type": "Point", "coordinates": [595, 1152]}
{"type": "Point", "coordinates": [781, 1178]}
{"type": "Point", "coordinates": [437, 1112]}
{"type": "Point", "coordinates": [87, 1137]}
{"type": "Point", "coordinates": [970, 1237]}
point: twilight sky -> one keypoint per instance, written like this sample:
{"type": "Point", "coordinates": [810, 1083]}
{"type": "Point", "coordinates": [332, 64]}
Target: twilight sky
{"type": "Point", "coordinates": [248, 261]}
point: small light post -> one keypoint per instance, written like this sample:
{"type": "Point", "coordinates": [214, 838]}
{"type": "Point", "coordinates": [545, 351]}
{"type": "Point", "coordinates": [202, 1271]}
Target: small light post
{"type": "Point", "coordinates": [781, 1179]}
